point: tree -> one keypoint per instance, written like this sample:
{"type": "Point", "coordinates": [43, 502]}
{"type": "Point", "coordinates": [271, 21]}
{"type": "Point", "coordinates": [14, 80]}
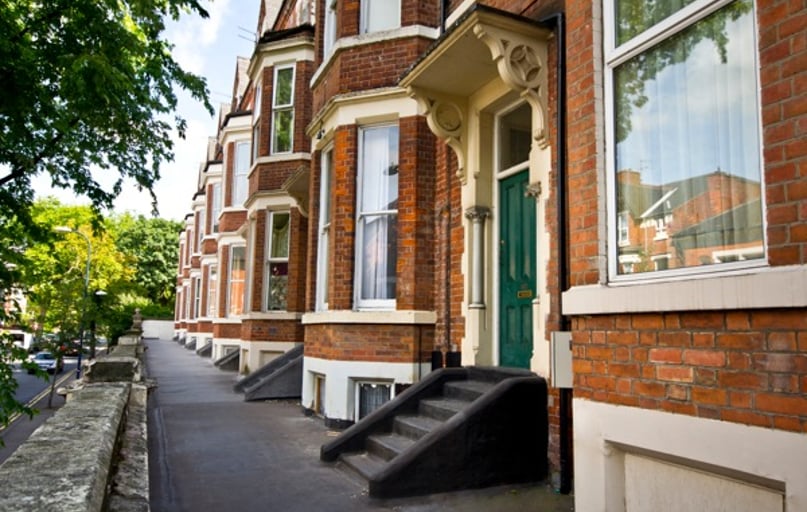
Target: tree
{"type": "Point", "coordinates": [88, 87]}
{"type": "Point", "coordinates": [151, 246]}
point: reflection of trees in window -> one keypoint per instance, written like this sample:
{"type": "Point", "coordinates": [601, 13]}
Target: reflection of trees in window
{"type": "Point", "coordinates": [686, 135]}
{"type": "Point", "coordinates": [636, 16]}
{"type": "Point", "coordinates": [283, 110]}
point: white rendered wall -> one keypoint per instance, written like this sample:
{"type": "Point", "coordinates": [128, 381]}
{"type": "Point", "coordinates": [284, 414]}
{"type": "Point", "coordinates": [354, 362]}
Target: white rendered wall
{"type": "Point", "coordinates": [340, 378]}
{"type": "Point", "coordinates": [626, 457]}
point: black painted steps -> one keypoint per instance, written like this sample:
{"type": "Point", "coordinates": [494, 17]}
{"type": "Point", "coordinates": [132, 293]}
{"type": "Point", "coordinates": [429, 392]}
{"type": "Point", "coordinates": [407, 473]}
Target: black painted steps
{"type": "Point", "coordinates": [381, 448]}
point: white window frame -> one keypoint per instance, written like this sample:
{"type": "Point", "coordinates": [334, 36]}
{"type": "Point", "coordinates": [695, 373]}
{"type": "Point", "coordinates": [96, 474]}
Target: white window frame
{"type": "Point", "coordinates": [202, 226]}
{"type": "Point", "coordinates": [357, 384]}
{"type": "Point", "coordinates": [212, 295]}
{"type": "Point", "coordinates": [364, 304]}
{"type": "Point", "coordinates": [197, 297]}
{"type": "Point", "coordinates": [215, 206]}
{"type": "Point", "coordinates": [278, 108]}
{"type": "Point", "coordinates": [613, 57]}
{"type": "Point", "coordinates": [366, 27]}
{"type": "Point", "coordinates": [269, 260]}
{"type": "Point", "coordinates": [230, 280]}
{"type": "Point", "coordinates": [324, 228]}
{"type": "Point", "coordinates": [329, 38]}
{"type": "Point", "coordinates": [241, 164]}
{"type": "Point", "coordinates": [256, 120]}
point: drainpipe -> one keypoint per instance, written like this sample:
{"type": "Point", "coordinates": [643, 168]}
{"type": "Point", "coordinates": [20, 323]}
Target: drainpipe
{"type": "Point", "coordinates": [565, 398]}
{"type": "Point", "coordinates": [443, 15]}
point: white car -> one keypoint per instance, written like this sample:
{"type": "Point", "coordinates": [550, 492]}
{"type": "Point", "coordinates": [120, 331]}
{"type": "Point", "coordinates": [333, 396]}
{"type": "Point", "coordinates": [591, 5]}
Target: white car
{"type": "Point", "coordinates": [48, 362]}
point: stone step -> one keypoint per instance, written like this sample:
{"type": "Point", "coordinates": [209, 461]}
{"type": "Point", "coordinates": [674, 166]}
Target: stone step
{"type": "Point", "coordinates": [441, 408]}
{"type": "Point", "coordinates": [466, 389]}
{"type": "Point", "coordinates": [388, 446]}
{"type": "Point", "coordinates": [414, 426]}
{"type": "Point", "coordinates": [364, 464]}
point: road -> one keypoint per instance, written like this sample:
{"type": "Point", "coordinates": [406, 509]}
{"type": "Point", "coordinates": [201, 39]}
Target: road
{"type": "Point", "coordinates": [33, 391]}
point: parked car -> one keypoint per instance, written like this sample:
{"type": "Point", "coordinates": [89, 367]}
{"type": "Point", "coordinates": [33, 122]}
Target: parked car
{"type": "Point", "coordinates": [48, 362]}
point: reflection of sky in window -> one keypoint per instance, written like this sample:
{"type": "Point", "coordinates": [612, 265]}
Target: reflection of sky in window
{"type": "Point", "coordinates": [701, 114]}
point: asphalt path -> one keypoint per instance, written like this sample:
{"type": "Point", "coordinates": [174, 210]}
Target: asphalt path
{"type": "Point", "coordinates": [211, 451]}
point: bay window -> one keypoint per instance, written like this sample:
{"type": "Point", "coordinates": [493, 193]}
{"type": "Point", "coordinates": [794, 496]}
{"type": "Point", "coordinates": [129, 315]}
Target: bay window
{"type": "Point", "coordinates": [684, 128]}
{"type": "Point", "coordinates": [377, 217]}
{"type": "Point", "coordinates": [329, 38]}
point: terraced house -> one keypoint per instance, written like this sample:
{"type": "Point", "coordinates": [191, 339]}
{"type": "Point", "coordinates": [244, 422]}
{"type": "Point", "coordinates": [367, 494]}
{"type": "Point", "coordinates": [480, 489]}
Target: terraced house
{"type": "Point", "coordinates": [607, 194]}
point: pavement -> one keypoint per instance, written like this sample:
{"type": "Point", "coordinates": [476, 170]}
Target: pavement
{"type": "Point", "coordinates": [211, 451]}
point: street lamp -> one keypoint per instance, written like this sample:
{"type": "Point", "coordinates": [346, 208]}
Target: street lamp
{"type": "Point", "coordinates": [66, 229]}
{"type": "Point", "coordinates": [97, 296]}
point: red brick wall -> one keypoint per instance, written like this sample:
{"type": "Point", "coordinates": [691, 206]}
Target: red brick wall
{"type": "Point", "coordinates": [369, 342]}
{"type": "Point", "coordinates": [271, 330]}
{"type": "Point", "coordinates": [312, 242]}
{"type": "Point", "coordinates": [416, 237]}
{"type": "Point", "coordinates": [298, 255]}
{"type": "Point", "coordinates": [742, 366]}
{"type": "Point", "coordinates": [230, 331]}
{"type": "Point", "coordinates": [783, 75]}
{"type": "Point", "coordinates": [340, 277]}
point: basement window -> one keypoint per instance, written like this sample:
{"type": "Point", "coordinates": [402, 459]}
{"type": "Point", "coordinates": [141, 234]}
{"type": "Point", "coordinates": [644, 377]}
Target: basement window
{"type": "Point", "coordinates": [370, 396]}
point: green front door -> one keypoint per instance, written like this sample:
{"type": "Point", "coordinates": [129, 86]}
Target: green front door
{"type": "Point", "coordinates": [516, 271]}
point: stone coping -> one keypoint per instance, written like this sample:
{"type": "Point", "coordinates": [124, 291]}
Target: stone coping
{"type": "Point", "coordinates": [65, 465]}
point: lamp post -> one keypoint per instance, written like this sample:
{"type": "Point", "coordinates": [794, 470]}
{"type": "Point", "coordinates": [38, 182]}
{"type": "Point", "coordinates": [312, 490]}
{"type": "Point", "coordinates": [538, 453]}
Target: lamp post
{"type": "Point", "coordinates": [97, 296]}
{"type": "Point", "coordinates": [66, 229]}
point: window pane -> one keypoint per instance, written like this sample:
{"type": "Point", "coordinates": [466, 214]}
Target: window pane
{"type": "Point", "coordinates": [242, 159]}
{"type": "Point", "coordinates": [380, 169]}
{"type": "Point", "coordinates": [278, 286]}
{"type": "Point", "coordinates": [216, 208]}
{"type": "Point", "coordinates": [280, 235]}
{"type": "Point", "coordinates": [380, 15]}
{"type": "Point", "coordinates": [687, 147]}
{"type": "Point", "coordinates": [371, 397]}
{"type": "Point", "coordinates": [284, 80]}
{"type": "Point", "coordinates": [635, 16]}
{"type": "Point", "coordinates": [379, 257]}
{"type": "Point", "coordinates": [514, 137]}
{"type": "Point", "coordinates": [212, 284]}
{"type": "Point", "coordinates": [282, 131]}
{"type": "Point", "coordinates": [237, 276]}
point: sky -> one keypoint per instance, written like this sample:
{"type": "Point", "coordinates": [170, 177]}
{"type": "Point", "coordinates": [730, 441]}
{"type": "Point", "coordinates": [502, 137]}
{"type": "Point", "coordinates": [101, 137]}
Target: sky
{"type": "Point", "coordinates": [206, 47]}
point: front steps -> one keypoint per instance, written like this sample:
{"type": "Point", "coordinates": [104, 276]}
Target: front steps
{"type": "Point", "coordinates": [280, 378]}
{"type": "Point", "coordinates": [458, 428]}
{"type": "Point", "coordinates": [228, 362]}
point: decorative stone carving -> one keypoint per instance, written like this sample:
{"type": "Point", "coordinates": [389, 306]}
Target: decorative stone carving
{"type": "Point", "coordinates": [446, 120]}
{"type": "Point", "coordinates": [521, 65]}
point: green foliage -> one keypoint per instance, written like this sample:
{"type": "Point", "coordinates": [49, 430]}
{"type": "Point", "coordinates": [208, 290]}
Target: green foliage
{"type": "Point", "coordinates": [88, 87]}
{"type": "Point", "coordinates": [11, 355]}
{"type": "Point", "coordinates": [151, 247]}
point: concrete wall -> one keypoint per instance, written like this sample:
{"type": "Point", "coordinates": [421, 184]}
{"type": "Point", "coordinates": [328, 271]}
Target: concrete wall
{"type": "Point", "coordinates": [162, 329]}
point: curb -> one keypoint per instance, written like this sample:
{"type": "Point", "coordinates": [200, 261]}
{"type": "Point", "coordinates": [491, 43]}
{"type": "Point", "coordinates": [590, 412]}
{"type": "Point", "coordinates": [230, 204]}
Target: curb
{"type": "Point", "coordinates": [14, 417]}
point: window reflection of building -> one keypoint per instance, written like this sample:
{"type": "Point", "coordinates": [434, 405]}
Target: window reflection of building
{"type": "Point", "coordinates": [684, 103]}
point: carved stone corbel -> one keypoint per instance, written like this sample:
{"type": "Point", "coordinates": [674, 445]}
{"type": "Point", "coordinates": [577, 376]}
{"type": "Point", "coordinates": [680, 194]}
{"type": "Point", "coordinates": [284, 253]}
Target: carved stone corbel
{"type": "Point", "coordinates": [447, 120]}
{"type": "Point", "coordinates": [521, 63]}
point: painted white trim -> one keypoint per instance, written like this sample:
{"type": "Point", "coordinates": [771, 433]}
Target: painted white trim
{"type": "Point", "coordinates": [604, 433]}
{"type": "Point", "coordinates": [409, 317]}
{"type": "Point", "coordinates": [280, 157]}
{"type": "Point", "coordinates": [773, 287]}
{"type": "Point", "coordinates": [459, 11]}
{"type": "Point", "coordinates": [340, 378]}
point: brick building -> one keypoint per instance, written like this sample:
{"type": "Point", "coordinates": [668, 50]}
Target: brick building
{"type": "Point", "coordinates": [485, 178]}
